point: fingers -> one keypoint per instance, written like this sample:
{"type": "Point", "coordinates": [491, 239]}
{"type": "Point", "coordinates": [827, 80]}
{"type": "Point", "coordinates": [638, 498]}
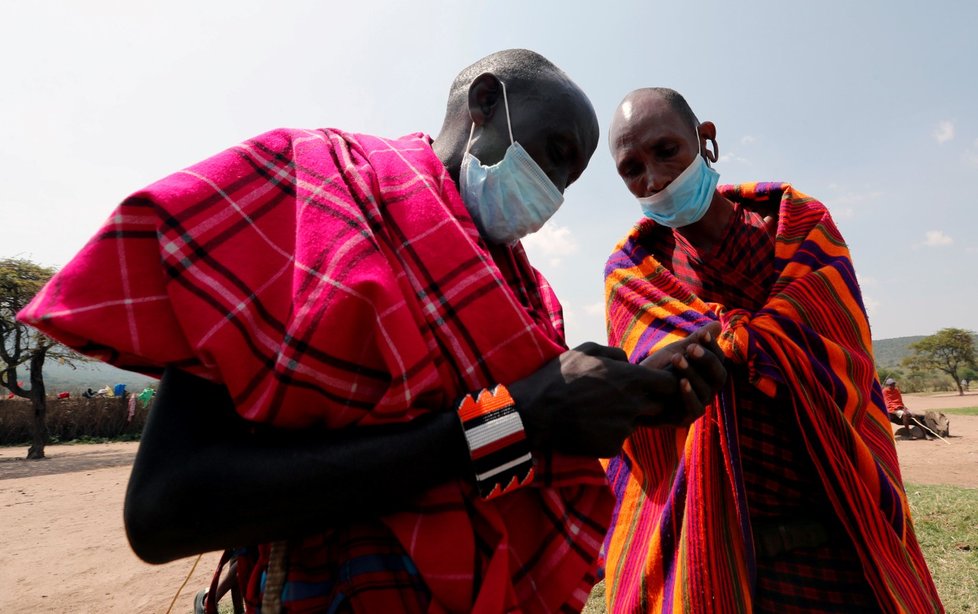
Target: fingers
{"type": "Point", "coordinates": [681, 409]}
{"type": "Point", "coordinates": [707, 337]}
{"type": "Point", "coordinates": [690, 378]}
{"type": "Point", "coordinates": [706, 372]}
{"type": "Point", "coordinates": [707, 332]}
{"type": "Point", "coordinates": [693, 404]}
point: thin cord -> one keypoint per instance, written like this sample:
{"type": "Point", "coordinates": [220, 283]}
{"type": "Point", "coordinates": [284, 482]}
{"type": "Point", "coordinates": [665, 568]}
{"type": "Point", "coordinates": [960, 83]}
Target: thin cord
{"type": "Point", "coordinates": [509, 124]}
{"type": "Point", "coordinates": [187, 579]}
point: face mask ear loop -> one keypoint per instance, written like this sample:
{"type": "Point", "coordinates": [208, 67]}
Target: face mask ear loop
{"type": "Point", "coordinates": [506, 104]}
{"type": "Point", "coordinates": [469, 144]}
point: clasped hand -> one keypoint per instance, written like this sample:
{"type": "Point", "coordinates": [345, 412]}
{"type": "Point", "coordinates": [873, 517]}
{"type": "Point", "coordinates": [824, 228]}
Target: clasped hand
{"type": "Point", "coordinates": [589, 399]}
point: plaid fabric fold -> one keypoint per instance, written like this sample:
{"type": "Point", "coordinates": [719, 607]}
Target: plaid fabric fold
{"type": "Point", "coordinates": [681, 538]}
{"type": "Point", "coordinates": [333, 280]}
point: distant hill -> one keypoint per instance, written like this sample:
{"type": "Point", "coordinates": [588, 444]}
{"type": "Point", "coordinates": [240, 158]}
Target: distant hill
{"type": "Point", "coordinates": [890, 352]}
{"type": "Point", "coordinates": [94, 375]}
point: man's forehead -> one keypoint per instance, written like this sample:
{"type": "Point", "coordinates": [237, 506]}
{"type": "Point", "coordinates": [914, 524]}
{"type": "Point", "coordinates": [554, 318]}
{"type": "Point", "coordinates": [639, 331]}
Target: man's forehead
{"type": "Point", "coordinates": [644, 105]}
{"type": "Point", "coordinates": [641, 111]}
{"type": "Point", "coordinates": [551, 96]}
{"type": "Point", "coordinates": [626, 110]}
{"type": "Point", "coordinates": [567, 107]}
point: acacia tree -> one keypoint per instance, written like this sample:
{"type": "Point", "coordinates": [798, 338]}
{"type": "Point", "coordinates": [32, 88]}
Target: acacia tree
{"type": "Point", "coordinates": [951, 350]}
{"type": "Point", "coordinates": [21, 344]}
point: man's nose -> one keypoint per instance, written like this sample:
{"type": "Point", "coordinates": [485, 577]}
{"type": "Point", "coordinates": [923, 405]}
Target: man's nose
{"type": "Point", "coordinates": [655, 181]}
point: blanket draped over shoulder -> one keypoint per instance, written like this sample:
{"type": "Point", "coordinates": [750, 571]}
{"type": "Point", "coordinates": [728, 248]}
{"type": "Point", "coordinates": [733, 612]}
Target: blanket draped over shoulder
{"type": "Point", "coordinates": [681, 538]}
{"type": "Point", "coordinates": [330, 280]}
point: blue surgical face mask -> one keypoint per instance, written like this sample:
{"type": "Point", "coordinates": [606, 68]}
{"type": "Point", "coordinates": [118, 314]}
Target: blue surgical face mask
{"type": "Point", "coordinates": [511, 198]}
{"type": "Point", "coordinates": [686, 199]}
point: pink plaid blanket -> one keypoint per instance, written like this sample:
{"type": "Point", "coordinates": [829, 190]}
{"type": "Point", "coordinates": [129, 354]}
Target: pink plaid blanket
{"type": "Point", "coordinates": [329, 279]}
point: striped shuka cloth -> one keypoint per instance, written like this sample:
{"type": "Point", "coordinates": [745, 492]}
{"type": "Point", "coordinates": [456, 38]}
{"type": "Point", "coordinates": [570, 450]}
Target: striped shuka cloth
{"type": "Point", "coordinates": [681, 537]}
{"type": "Point", "coordinates": [331, 280]}
{"type": "Point", "coordinates": [780, 482]}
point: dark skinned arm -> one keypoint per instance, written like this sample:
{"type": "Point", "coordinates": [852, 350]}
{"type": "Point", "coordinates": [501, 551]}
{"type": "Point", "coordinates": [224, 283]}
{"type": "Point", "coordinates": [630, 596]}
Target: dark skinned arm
{"type": "Point", "coordinates": [204, 479]}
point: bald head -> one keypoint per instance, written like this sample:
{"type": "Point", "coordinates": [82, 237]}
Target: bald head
{"type": "Point", "coordinates": [654, 136]}
{"type": "Point", "coordinates": [516, 66]}
{"type": "Point", "coordinates": [520, 69]}
{"type": "Point", "coordinates": [549, 115]}
{"type": "Point", "coordinates": [637, 104]}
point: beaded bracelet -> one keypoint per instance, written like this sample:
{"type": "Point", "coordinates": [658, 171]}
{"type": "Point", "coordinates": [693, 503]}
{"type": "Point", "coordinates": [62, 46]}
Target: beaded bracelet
{"type": "Point", "coordinates": [497, 442]}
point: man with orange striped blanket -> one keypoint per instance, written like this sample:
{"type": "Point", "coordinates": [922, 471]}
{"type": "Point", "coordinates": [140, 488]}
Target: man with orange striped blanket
{"type": "Point", "coordinates": [786, 496]}
{"type": "Point", "coordinates": [360, 369]}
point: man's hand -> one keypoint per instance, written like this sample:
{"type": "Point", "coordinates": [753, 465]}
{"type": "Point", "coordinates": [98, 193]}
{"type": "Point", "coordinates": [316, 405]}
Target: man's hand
{"type": "Point", "coordinates": [589, 399]}
{"type": "Point", "coordinates": [698, 363]}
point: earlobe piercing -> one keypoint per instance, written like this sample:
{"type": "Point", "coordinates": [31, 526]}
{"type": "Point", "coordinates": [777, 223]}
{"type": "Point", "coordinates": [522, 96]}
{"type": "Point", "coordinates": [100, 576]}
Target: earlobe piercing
{"type": "Point", "coordinates": [713, 155]}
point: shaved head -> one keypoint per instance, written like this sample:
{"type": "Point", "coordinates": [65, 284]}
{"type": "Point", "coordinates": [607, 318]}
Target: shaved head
{"type": "Point", "coordinates": [518, 94]}
{"type": "Point", "coordinates": [520, 69]}
{"type": "Point", "coordinates": [627, 109]}
{"type": "Point", "coordinates": [654, 136]}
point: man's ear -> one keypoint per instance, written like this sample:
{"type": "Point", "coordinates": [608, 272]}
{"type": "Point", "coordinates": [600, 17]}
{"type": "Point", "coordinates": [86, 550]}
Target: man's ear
{"type": "Point", "coordinates": [485, 92]}
{"type": "Point", "coordinates": [708, 132]}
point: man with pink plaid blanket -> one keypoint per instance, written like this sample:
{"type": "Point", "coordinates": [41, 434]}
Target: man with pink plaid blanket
{"type": "Point", "coordinates": [361, 371]}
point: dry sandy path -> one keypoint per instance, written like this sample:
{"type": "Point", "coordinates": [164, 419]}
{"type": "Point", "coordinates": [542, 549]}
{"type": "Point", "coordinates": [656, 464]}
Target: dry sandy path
{"type": "Point", "coordinates": [935, 462]}
{"type": "Point", "coordinates": [64, 548]}
{"type": "Point", "coordinates": [63, 545]}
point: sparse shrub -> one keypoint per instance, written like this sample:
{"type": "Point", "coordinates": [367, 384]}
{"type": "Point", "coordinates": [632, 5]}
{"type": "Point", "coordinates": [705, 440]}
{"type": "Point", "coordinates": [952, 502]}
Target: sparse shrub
{"type": "Point", "coordinates": [72, 419]}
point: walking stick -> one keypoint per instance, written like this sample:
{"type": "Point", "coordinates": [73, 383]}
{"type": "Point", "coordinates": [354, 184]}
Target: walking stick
{"type": "Point", "coordinates": [925, 427]}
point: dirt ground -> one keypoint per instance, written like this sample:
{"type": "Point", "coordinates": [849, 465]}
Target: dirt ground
{"type": "Point", "coordinates": [64, 548]}
{"type": "Point", "coordinates": [934, 461]}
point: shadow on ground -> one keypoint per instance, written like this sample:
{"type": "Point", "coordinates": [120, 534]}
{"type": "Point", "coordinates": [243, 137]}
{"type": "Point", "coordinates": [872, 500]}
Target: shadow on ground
{"type": "Point", "coordinates": [84, 460]}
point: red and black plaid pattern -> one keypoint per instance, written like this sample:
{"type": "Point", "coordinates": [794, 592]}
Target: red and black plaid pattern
{"type": "Point", "coordinates": [333, 280]}
{"type": "Point", "coordinates": [810, 580]}
{"type": "Point", "coordinates": [376, 574]}
{"type": "Point", "coordinates": [739, 268]}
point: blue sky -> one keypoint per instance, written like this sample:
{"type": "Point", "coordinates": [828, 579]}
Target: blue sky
{"type": "Point", "coordinates": [868, 106]}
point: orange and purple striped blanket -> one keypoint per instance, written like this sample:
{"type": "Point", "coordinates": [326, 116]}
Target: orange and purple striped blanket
{"type": "Point", "coordinates": [681, 539]}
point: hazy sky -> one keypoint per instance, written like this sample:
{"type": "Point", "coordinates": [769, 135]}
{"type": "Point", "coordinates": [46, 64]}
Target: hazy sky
{"type": "Point", "coordinates": [871, 107]}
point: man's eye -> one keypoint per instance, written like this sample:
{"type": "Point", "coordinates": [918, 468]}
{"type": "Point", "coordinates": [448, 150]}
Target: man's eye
{"type": "Point", "coordinates": [668, 151]}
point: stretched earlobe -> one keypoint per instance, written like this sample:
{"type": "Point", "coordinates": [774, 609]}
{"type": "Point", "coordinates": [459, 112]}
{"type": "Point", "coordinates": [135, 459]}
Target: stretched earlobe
{"type": "Point", "coordinates": [708, 132]}
{"type": "Point", "coordinates": [714, 155]}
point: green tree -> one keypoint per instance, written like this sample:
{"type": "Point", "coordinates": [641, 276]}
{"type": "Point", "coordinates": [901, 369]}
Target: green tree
{"type": "Point", "coordinates": [21, 344]}
{"type": "Point", "coordinates": [884, 373]}
{"type": "Point", "coordinates": [950, 350]}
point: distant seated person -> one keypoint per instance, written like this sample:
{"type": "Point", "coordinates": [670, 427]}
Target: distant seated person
{"type": "Point", "coordinates": [897, 411]}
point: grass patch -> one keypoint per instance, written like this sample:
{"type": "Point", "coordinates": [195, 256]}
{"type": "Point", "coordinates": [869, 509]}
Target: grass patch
{"type": "Point", "coordinates": [946, 523]}
{"type": "Point", "coordinates": [961, 411]}
{"type": "Point", "coordinates": [595, 602]}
